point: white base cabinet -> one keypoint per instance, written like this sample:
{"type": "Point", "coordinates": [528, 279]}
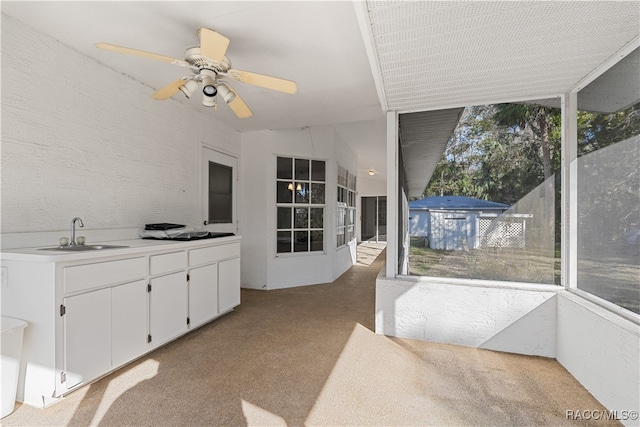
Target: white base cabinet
{"type": "Point", "coordinates": [87, 335]}
{"type": "Point", "coordinates": [203, 294]}
{"type": "Point", "coordinates": [129, 322]}
{"type": "Point", "coordinates": [228, 292]}
{"type": "Point", "coordinates": [168, 307]}
{"type": "Point", "coordinates": [110, 309]}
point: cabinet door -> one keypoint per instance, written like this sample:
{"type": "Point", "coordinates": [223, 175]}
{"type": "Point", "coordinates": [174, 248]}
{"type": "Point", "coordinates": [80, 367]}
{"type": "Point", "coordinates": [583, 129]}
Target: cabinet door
{"type": "Point", "coordinates": [228, 284]}
{"type": "Point", "coordinates": [203, 294]}
{"type": "Point", "coordinates": [168, 307]}
{"type": "Point", "coordinates": [129, 321]}
{"type": "Point", "coordinates": [87, 336]}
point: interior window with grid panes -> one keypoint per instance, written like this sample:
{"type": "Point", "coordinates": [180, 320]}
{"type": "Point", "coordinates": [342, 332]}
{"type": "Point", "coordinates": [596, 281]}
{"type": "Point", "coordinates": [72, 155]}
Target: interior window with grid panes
{"type": "Point", "coordinates": [346, 207]}
{"type": "Point", "coordinates": [300, 202]}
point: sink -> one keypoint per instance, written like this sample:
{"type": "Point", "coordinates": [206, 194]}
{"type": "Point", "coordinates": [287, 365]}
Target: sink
{"type": "Point", "coordinates": [82, 248]}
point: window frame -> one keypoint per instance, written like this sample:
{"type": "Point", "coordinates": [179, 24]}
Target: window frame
{"type": "Point", "coordinates": [294, 183]}
{"type": "Point", "coordinates": [569, 171]}
{"type": "Point", "coordinates": [345, 207]}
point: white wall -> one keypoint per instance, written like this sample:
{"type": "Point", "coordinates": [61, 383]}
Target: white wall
{"type": "Point", "coordinates": [516, 319]}
{"type": "Point", "coordinates": [80, 139]}
{"type": "Point", "coordinates": [602, 351]}
{"type": "Point", "coordinates": [266, 269]}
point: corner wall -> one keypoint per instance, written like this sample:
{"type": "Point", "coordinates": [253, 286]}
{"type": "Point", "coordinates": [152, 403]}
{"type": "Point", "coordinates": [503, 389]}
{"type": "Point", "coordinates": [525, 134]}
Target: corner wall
{"type": "Point", "coordinates": [263, 267]}
{"type": "Point", "coordinates": [514, 319]}
{"type": "Point", "coordinates": [602, 351]}
{"type": "Point", "coordinates": [80, 139]}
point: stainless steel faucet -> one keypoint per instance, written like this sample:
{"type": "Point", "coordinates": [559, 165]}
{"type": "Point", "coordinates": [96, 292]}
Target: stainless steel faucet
{"type": "Point", "coordinates": [73, 230]}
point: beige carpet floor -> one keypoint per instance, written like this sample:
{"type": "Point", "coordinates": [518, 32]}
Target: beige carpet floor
{"type": "Point", "coordinates": [308, 356]}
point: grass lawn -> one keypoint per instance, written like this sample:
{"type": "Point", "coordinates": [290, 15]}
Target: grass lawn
{"type": "Point", "coordinates": [616, 279]}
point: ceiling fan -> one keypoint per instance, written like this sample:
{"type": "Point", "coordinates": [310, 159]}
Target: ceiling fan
{"type": "Point", "coordinates": [210, 68]}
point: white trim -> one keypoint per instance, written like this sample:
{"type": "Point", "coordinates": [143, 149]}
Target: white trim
{"type": "Point", "coordinates": [479, 283]}
{"type": "Point", "coordinates": [606, 309]}
{"type": "Point", "coordinates": [393, 146]}
{"type": "Point", "coordinates": [524, 98]}
{"type": "Point", "coordinates": [234, 163]}
{"type": "Point", "coordinates": [362, 15]}
{"type": "Point", "coordinates": [569, 200]}
{"type": "Point", "coordinates": [607, 65]}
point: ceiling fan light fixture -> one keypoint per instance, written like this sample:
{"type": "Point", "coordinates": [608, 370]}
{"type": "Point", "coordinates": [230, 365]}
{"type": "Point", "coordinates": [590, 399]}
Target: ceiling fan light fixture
{"type": "Point", "coordinates": [209, 101]}
{"type": "Point", "coordinates": [189, 87]}
{"type": "Point", "coordinates": [209, 86]}
{"type": "Point", "coordinates": [226, 93]}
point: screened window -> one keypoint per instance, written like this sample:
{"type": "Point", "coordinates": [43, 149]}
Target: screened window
{"type": "Point", "coordinates": [608, 199]}
{"type": "Point", "coordinates": [490, 209]}
{"type": "Point", "coordinates": [300, 202]}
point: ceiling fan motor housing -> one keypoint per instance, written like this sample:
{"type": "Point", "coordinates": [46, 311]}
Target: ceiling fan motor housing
{"type": "Point", "coordinates": [200, 62]}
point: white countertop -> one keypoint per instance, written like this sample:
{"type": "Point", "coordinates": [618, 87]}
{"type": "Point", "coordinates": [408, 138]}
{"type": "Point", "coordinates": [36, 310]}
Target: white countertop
{"type": "Point", "coordinates": [35, 254]}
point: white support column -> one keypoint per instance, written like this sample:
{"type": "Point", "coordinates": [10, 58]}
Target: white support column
{"type": "Point", "coordinates": [392, 194]}
{"type": "Point", "coordinates": [569, 190]}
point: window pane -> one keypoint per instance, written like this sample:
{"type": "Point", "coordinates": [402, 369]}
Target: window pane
{"type": "Point", "coordinates": [302, 192]}
{"type": "Point", "coordinates": [285, 168]}
{"type": "Point", "coordinates": [317, 218]}
{"type": "Point", "coordinates": [284, 241]}
{"type": "Point", "coordinates": [317, 170]}
{"type": "Point", "coordinates": [284, 194]}
{"type": "Point", "coordinates": [301, 219]}
{"type": "Point", "coordinates": [317, 243]}
{"type": "Point", "coordinates": [301, 242]}
{"type": "Point", "coordinates": [220, 197]}
{"type": "Point", "coordinates": [284, 218]}
{"type": "Point", "coordinates": [317, 194]}
{"type": "Point", "coordinates": [302, 169]}
{"type": "Point", "coordinates": [608, 186]}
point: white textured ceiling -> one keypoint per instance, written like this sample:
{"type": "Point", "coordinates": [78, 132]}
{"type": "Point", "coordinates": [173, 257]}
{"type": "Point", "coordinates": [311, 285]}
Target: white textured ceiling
{"type": "Point", "coordinates": [430, 56]}
{"type": "Point", "coordinates": [438, 54]}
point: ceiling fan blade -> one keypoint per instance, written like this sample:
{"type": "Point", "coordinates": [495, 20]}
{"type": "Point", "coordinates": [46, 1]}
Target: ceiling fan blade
{"type": "Point", "coordinates": [239, 107]}
{"type": "Point", "coordinates": [130, 51]}
{"type": "Point", "coordinates": [274, 83]}
{"type": "Point", "coordinates": [213, 45]}
{"type": "Point", "coordinates": [169, 90]}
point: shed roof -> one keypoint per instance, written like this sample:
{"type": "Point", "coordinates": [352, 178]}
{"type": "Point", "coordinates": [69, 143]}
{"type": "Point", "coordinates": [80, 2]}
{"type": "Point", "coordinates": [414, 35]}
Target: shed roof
{"type": "Point", "coordinates": [455, 202]}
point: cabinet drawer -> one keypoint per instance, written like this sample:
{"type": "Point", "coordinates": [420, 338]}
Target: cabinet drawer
{"type": "Point", "coordinates": [81, 277]}
{"type": "Point", "coordinates": [213, 253]}
{"type": "Point", "coordinates": [166, 263]}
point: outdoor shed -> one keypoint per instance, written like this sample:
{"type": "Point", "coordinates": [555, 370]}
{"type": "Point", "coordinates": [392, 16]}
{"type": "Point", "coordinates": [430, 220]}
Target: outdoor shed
{"type": "Point", "coordinates": [460, 222]}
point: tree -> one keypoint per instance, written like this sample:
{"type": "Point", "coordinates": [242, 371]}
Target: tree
{"type": "Point", "coordinates": [539, 119]}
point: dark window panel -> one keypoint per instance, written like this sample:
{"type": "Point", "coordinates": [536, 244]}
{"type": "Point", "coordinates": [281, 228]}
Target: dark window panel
{"type": "Point", "coordinates": [317, 194]}
{"type": "Point", "coordinates": [220, 194]}
{"type": "Point", "coordinates": [301, 241]}
{"type": "Point", "coordinates": [285, 168]}
{"type": "Point", "coordinates": [284, 194]}
{"type": "Point", "coordinates": [317, 170]}
{"type": "Point", "coordinates": [284, 242]}
{"type": "Point", "coordinates": [284, 218]}
{"type": "Point", "coordinates": [302, 169]}
{"type": "Point", "coordinates": [302, 192]}
{"type": "Point", "coordinates": [317, 218]}
{"type": "Point", "coordinates": [317, 241]}
{"type": "Point", "coordinates": [301, 219]}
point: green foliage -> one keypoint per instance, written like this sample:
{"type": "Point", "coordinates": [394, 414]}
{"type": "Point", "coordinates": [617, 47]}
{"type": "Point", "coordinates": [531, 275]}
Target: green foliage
{"type": "Point", "coordinates": [496, 152]}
